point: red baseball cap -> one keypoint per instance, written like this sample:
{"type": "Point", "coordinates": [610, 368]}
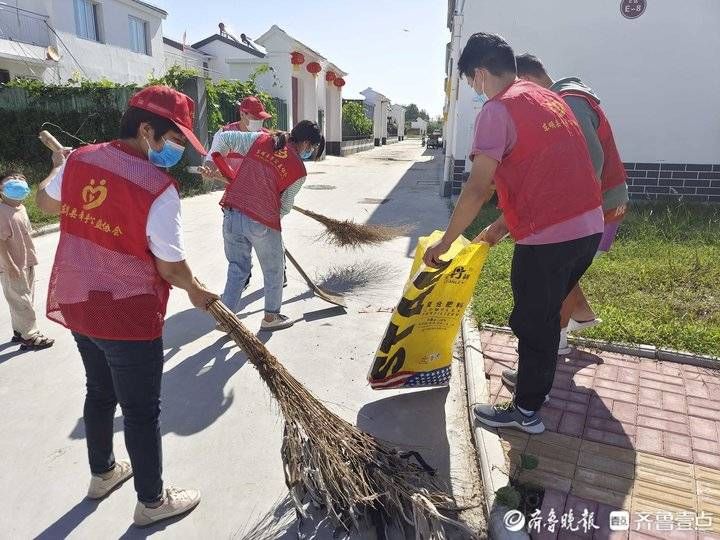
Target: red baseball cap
{"type": "Point", "coordinates": [173, 105]}
{"type": "Point", "coordinates": [253, 106]}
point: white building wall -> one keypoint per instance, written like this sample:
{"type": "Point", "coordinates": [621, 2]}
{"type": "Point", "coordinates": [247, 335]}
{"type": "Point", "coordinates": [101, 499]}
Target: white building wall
{"type": "Point", "coordinates": [111, 59]}
{"type": "Point", "coordinates": [398, 114]}
{"type": "Point", "coordinates": [184, 59]}
{"type": "Point", "coordinates": [631, 64]}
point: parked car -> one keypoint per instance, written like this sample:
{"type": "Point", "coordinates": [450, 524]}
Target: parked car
{"type": "Point", "coordinates": [435, 140]}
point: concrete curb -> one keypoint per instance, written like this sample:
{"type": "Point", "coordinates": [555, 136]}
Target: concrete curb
{"type": "Point", "coordinates": [47, 229]}
{"type": "Point", "coordinates": [491, 458]}
{"type": "Point", "coordinates": [643, 351]}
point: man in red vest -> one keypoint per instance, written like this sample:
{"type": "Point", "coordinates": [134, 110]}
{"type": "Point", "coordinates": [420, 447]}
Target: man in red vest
{"type": "Point", "coordinates": [577, 313]}
{"type": "Point", "coordinates": [252, 115]}
{"type": "Point", "coordinates": [120, 251]}
{"type": "Point", "coordinates": [530, 146]}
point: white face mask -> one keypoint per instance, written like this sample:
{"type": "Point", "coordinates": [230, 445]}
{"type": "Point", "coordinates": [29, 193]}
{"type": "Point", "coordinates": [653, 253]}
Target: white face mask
{"type": "Point", "coordinates": [255, 125]}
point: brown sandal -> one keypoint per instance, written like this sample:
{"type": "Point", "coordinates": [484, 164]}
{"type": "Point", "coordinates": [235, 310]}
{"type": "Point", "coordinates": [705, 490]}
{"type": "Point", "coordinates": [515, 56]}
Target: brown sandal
{"type": "Point", "coordinates": [36, 343]}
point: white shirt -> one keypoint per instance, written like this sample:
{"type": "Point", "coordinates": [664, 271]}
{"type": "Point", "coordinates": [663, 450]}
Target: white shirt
{"type": "Point", "coordinates": [164, 226]}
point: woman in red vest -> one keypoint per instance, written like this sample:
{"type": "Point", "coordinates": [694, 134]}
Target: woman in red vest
{"type": "Point", "coordinates": [530, 146]}
{"type": "Point", "coordinates": [120, 250]}
{"type": "Point", "coordinates": [257, 195]}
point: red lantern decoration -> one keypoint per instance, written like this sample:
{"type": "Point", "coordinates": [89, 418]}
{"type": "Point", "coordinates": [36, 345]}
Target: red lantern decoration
{"type": "Point", "coordinates": [314, 68]}
{"type": "Point", "coordinates": [339, 82]}
{"type": "Point", "coordinates": [330, 76]}
{"type": "Point", "coordinates": [297, 59]}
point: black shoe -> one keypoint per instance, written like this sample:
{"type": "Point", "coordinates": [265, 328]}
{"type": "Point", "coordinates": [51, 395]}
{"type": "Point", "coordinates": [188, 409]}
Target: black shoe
{"type": "Point", "coordinates": [17, 338]}
{"type": "Point", "coordinates": [509, 377]}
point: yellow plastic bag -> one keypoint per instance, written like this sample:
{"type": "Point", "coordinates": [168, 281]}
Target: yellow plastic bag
{"type": "Point", "coordinates": [417, 348]}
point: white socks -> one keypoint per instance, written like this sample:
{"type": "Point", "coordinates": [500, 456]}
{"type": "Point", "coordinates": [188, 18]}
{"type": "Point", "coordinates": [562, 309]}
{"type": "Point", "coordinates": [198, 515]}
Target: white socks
{"type": "Point", "coordinates": [563, 338]}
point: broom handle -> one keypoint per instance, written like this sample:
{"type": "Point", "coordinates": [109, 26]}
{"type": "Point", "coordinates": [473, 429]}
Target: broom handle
{"type": "Point", "coordinates": [303, 212]}
{"type": "Point", "coordinates": [50, 141]}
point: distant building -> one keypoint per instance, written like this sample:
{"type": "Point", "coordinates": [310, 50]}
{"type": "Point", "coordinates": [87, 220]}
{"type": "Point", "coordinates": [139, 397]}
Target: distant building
{"type": "Point", "coordinates": [381, 109]}
{"type": "Point", "coordinates": [309, 96]}
{"type": "Point", "coordinates": [398, 114]}
{"type": "Point", "coordinates": [420, 124]}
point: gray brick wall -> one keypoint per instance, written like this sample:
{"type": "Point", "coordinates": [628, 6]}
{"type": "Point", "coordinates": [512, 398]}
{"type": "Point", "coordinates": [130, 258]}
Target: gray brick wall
{"type": "Point", "coordinates": [676, 181]}
{"type": "Point", "coordinates": [650, 181]}
{"type": "Point", "coordinates": [459, 176]}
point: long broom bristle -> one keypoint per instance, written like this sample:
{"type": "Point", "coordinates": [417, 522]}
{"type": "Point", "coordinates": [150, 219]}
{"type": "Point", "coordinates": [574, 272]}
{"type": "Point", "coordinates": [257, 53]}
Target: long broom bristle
{"type": "Point", "coordinates": [348, 233]}
{"type": "Point", "coordinates": [347, 472]}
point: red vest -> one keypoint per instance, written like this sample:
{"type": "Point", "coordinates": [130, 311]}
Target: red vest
{"type": "Point", "coordinates": [547, 178]}
{"type": "Point", "coordinates": [104, 282]}
{"type": "Point", "coordinates": [255, 188]}
{"type": "Point", "coordinates": [613, 173]}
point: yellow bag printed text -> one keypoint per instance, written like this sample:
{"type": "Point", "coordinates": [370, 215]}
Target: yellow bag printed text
{"type": "Point", "coordinates": [417, 347]}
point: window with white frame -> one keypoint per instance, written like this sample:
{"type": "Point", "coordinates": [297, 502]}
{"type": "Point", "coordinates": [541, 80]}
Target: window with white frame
{"type": "Point", "coordinates": [138, 35]}
{"type": "Point", "coordinates": [86, 19]}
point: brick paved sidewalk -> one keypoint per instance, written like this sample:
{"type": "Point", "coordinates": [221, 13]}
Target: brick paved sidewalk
{"type": "Point", "coordinates": [622, 433]}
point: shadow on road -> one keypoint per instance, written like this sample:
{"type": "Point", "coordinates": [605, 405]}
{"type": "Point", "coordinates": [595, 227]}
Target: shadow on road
{"type": "Point", "coordinates": [68, 522]}
{"type": "Point", "coordinates": [414, 200]}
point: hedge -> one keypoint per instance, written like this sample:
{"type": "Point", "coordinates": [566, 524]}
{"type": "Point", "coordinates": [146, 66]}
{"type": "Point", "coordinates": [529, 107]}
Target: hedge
{"type": "Point", "coordinates": [91, 111]}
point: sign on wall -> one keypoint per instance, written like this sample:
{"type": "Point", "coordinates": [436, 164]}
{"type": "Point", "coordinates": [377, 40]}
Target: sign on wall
{"type": "Point", "coordinates": [632, 9]}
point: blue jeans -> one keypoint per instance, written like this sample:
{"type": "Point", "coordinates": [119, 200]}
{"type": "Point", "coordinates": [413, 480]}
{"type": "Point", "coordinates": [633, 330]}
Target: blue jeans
{"type": "Point", "coordinates": [129, 373]}
{"type": "Point", "coordinates": [241, 235]}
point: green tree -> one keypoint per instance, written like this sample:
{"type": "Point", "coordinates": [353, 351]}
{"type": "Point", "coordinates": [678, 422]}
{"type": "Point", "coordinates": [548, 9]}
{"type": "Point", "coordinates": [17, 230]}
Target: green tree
{"type": "Point", "coordinates": [355, 123]}
{"type": "Point", "coordinates": [411, 112]}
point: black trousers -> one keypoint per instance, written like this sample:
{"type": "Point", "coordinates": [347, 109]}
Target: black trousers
{"type": "Point", "coordinates": [129, 373]}
{"type": "Point", "coordinates": [542, 276]}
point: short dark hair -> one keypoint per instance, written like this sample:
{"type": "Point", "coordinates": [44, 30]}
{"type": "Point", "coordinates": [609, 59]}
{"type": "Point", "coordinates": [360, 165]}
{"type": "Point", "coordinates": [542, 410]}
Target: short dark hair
{"type": "Point", "coordinates": [4, 175]}
{"type": "Point", "coordinates": [134, 116]}
{"type": "Point", "coordinates": [309, 131]}
{"type": "Point", "coordinates": [488, 51]}
{"type": "Point", "coordinates": [529, 64]}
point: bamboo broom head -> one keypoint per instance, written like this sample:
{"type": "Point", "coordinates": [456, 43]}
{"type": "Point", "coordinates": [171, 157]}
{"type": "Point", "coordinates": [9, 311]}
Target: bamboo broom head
{"type": "Point", "coordinates": [348, 233]}
{"type": "Point", "coordinates": [349, 473]}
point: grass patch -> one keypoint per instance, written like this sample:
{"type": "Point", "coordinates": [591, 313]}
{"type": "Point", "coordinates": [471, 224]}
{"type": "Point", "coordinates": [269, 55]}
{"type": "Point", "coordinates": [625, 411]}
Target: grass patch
{"type": "Point", "coordinates": [659, 285]}
{"type": "Point", "coordinates": [190, 185]}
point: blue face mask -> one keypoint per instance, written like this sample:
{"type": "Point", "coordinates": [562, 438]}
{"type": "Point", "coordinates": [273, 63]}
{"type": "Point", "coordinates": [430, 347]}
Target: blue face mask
{"type": "Point", "coordinates": [170, 154]}
{"type": "Point", "coordinates": [16, 189]}
{"type": "Point", "coordinates": [306, 155]}
{"type": "Point", "coordinates": [481, 96]}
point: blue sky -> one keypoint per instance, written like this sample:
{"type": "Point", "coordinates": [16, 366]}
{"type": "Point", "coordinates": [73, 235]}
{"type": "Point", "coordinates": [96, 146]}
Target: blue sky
{"type": "Point", "coordinates": [366, 39]}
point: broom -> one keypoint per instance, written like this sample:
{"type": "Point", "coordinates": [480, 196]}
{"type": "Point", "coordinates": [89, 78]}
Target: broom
{"type": "Point", "coordinates": [339, 232]}
{"type": "Point", "coordinates": [347, 232]}
{"type": "Point", "coordinates": [350, 474]}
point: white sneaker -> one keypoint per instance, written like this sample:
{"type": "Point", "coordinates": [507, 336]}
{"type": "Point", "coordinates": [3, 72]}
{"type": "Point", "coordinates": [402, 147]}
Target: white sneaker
{"type": "Point", "coordinates": [279, 322]}
{"type": "Point", "coordinates": [575, 326]}
{"type": "Point", "coordinates": [99, 488]}
{"type": "Point", "coordinates": [175, 502]}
